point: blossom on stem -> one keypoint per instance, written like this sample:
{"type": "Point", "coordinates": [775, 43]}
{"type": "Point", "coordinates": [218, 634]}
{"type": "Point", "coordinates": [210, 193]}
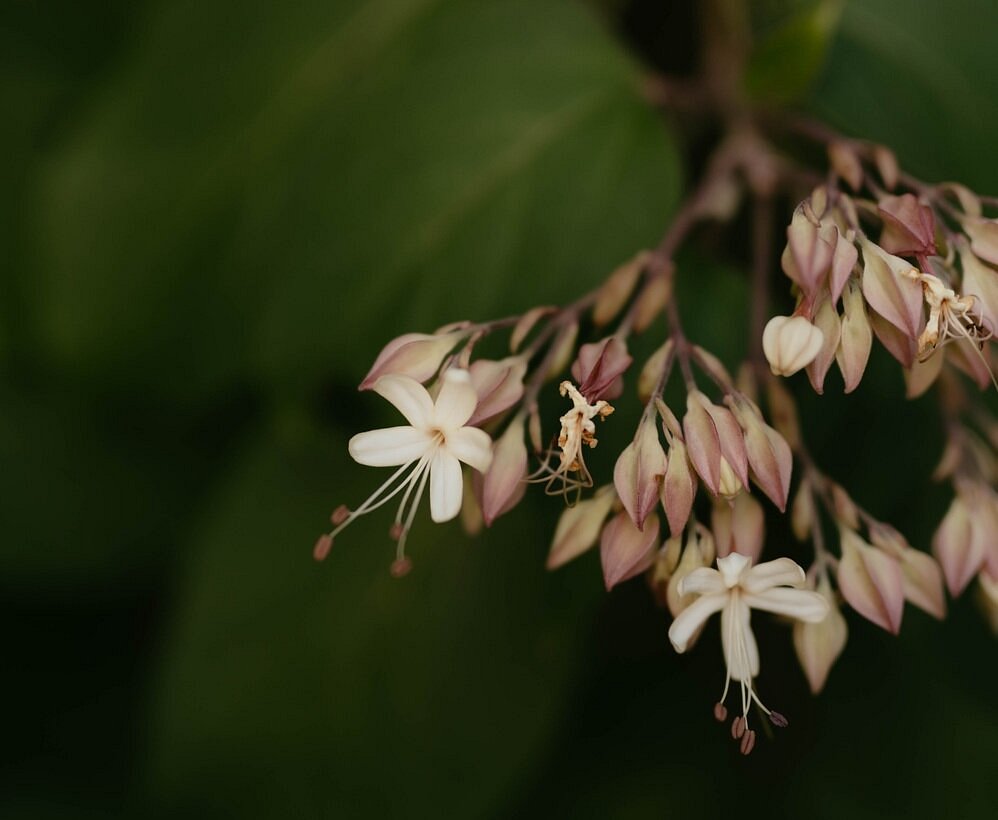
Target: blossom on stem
{"type": "Point", "coordinates": [790, 343]}
{"type": "Point", "coordinates": [734, 589]}
{"type": "Point", "coordinates": [429, 450]}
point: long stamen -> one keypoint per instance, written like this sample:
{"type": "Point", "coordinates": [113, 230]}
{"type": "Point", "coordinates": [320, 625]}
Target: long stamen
{"type": "Point", "coordinates": [373, 502]}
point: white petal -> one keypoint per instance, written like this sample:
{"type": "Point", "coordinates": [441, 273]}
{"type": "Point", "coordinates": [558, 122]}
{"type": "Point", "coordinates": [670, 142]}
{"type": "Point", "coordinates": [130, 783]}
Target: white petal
{"type": "Point", "coordinates": [455, 402]}
{"type": "Point", "coordinates": [801, 604]}
{"type": "Point", "coordinates": [781, 572]}
{"type": "Point", "coordinates": [702, 581]}
{"type": "Point", "coordinates": [389, 447]}
{"type": "Point", "coordinates": [409, 397]}
{"type": "Point", "coordinates": [446, 487]}
{"type": "Point", "coordinates": [732, 566]}
{"type": "Point", "coordinates": [740, 651]}
{"type": "Point", "coordinates": [692, 618]}
{"type": "Point", "coordinates": [472, 446]}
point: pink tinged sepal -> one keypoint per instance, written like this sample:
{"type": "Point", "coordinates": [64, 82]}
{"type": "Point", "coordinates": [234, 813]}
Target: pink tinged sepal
{"type": "Point", "coordinates": [739, 526]}
{"type": "Point", "coordinates": [922, 578]}
{"type": "Point", "coordinates": [900, 345]}
{"type": "Point", "coordinates": [651, 301]}
{"type": "Point", "coordinates": [598, 368]}
{"type": "Point", "coordinates": [617, 290]}
{"type": "Point", "coordinates": [887, 166]}
{"type": "Point", "coordinates": [977, 367]}
{"type": "Point", "coordinates": [922, 375]}
{"type": "Point", "coordinates": [498, 385]}
{"type": "Point", "coordinates": [562, 348]}
{"type": "Point", "coordinates": [891, 292]}
{"type": "Point", "coordinates": [639, 471]}
{"type": "Point", "coordinates": [871, 582]}
{"type": "Point", "coordinates": [818, 645]}
{"type": "Point", "coordinates": [811, 247]}
{"type": "Point", "coordinates": [626, 551]}
{"type": "Point", "coordinates": [909, 227]}
{"type": "Point", "coordinates": [845, 162]}
{"type": "Point", "coordinates": [981, 282]}
{"type": "Point", "coordinates": [651, 373]}
{"type": "Point", "coordinates": [959, 546]}
{"type": "Point", "coordinates": [802, 512]}
{"type": "Point", "coordinates": [983, 235]}
{"type": "Point", "coordinates": [826, 319]}
{"type": "Point", "coordinates": [503, 486]}
{"type": "Point", "coordinates": [714, 438]}
{"type": "Point", "coordinates": [526, 323]}
{"type": "Point", "coordinates": [579, 527]}
{"type": "Point", "coordinates": [790, 343]}
{"type": "Point", "coordinates": [416, 355]}
{"type": "Point", "coordinates": [843, 263]}
{"type": "Point", "coordinates": [856, 338]}
{"type": "Point", "coordinates": [768, 453]}
{"type": "Point", "coordinates": [678, 487]}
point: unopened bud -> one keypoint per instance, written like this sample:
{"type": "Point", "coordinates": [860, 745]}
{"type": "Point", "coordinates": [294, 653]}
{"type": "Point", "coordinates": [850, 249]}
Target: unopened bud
{"type": "Point", "coordinates": [525, 324]}
{"type": "Point", "coordinates": [983, 235]}
{"type": "Point", "coordinates": [498, 384]}
{"type": "Point", "coordinates": [887, 166]}
{"type": "Point", "coordinates": [958, 546]}
{"type": "Point", "coordinates": [678, 488]}
{"type": "Point", "coordinates": [417, 355]}
{"type": "Point", "coordinates": [845, 162]}
{"type": "Point", "coordinates": [626, 551]}
{"type": "Point", "coordinates": [639, 471]}
{"type": "Point", "coordinates": [651, 301]}
{"type": "Point", "coordinates": [790, 343]}
{"type": "Point", "coordinates": [767, 451]}
{"type": "Point", "coordinates": [981, 282]}
{"type": "Point", "coordinates": [810, 248]}
{"type": "Point", "coordinates": [503, 485]}
{"type": "Point", "coordinates": [818, 645]}
{"type": "Point", "coordinates": [579, 527]}
{"type": "Point", "coordinates": [871, 582]}
{"type": "Point", "coordinates": [826, 319]}
{"type": "Point", "coordinates": [856, 338]}
{"type": "Point", "coordinates": [617, 289]}
{"type": "Point", "coordinates": [651, 373]}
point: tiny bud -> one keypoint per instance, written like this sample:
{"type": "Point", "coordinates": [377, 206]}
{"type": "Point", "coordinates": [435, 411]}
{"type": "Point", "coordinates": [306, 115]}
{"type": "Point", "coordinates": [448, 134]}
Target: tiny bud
{"type": "Point", "coordinates": [340, 514]}
{"type": "Point", "coordinates": [767, 451]}
{"type": "Point", "coordinates": [617, 289]}
{"type": "Point", "coordinates": [498, 384]}
{"type": "Point", "coordinates": [844, 161]}
{"type": "Point", "coordinates": [810, 247]}
{"type": "Point", "coordinates": [651, 372]}
{"type": "Point", "coordinates": [400, 567]}
{"type": "Point", "coordinates": [729, 485]}
{"type": "Point", "coordinates": [563, 345]}
{"type": "Point", "coordinates": [720, 712]}
{"type": "Point", "coordinates": [651, 301]}
{"type": "Point", "coordinates": [748, 742]}
{"type": "Point", "coordinates": [626, 551]}
{"type": "Point", "coordinates": [958, 546]}
{"type": "Point", "coordinates": [778, 720]}
{"type": "Point", "coordinates": [503, 485]}
{"type": "Point", "coordinates": [639, 471]}
{"type": "Point", "coordinates": [790, 343]}
{"type": "Point", "coordinates": [322, 546]}
{"type": "Point", "coordinates": [819, 644]}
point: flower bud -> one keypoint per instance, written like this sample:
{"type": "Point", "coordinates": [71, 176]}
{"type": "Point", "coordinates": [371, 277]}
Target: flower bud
{"type": "Point", "coordinates": [499, 386]}
{"type": "Point", "coordinates": [526, 323]}
{"type": "Point", "coordinates": [811, 246]}
{"type": "Point", "coordinates": [818, 645]}
{"type": "Point", "coordinates": [626, 551]}
{"type": "Point", "coordinates": [598, 367]}
{"type": "Point", "coordinates": [730, 485]}
{"type": "Point", "coordinates": [699, 552]}
{"type": "Point", "coordinates": [790, 343]}
{"type": "Point", "coordinates": [802, 512]}
{"type": "Point", "coordinates": [844, 161]}
{"type": "Point", "coordinates": [768, 453]}
{"type": "Point", "coordinates": [983, 235]}
{"type": "Point", "coordinates": [417, 355]}
{"type": "Point", "coordinates": [843, 263]}
{"type": "Point", "coordinates": [617, 289]}
{"type": "Point", "coordinates": [666, 562]}
{"type": "Point", "coordinates": [651, 372]}
{"type": "Point", "coordinates": [639, 472]}
{"type": "Point", "coordinates": [713, 437]}
{"type": "Point", "coordinates": [678, 487]}
{"type": "Point", "coordinates": [922, 375]}
{"type": "Point", "coordinates": [563, 345]}
{"type": "Point", "coordinates": [652, 299]}
{"type": "Point", "coordinates": [856, 337]}
{"type": "Point", "coordinates": [901, 346]}
{"type": "Point", "coordinates": [846, 513]}
{"type": "Point", "coordinates": [826, 319]}
{"type": "Point", "coordinates": [959, 546]}
{"type": "Point", "coordinates": [909, 227]}
{"type": "Point", "coordinates": [739, 526]}
{"type": "Point", "coordinates": [890, 291]}
{"type": "Point", "coordinates": [503, 485]}
{"type": "Point", "coordinates": [887, 166]}
{"type": "Point", "coordinates": [921, 577]}
{"type": "Point", "coordinates": [871, 582]}
{"type": "Point", "coordinates": [579, 527]}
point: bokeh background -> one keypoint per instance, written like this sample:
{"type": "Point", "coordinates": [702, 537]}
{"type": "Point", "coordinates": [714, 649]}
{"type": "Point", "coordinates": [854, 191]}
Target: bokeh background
{"type": "Point", "coordinates": [213, 216]}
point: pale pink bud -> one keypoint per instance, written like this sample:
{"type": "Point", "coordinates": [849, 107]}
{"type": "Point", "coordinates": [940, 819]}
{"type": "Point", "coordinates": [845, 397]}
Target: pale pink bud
{"type": "Point", "coordinates": [898, 343]}
{"type": "Point", "coordinates": [626, 551]}
{"type": "Point", "coordinates": [811, 248]}
{"type": "Point", "coordinates": [651, 373]}
{"type": "Point", "coordinates": [525, 324]}
{"type": "Point", "coordinates": [678, 487]}
{"type": "Point", "coordinates": [871, 582]}
{"type": "Point", "coordinates": [712, 365]}
{"type": "Point", "coordinates": [845, 510]}
{"type": "Point", "coordinates": [503, 485]}
{"type": "Point", "coordinates": [922, 375]}
{"type": "Point", "coordinates": [598, 368]}
{"type": "Point", "coordinates": [651, 301]}
{"type": "Point", "coordinates": [909, 227]}
{"type": "Point", "coordinates": [713, 436]}
{"type": "Point", "coordinates": [768, 453]}
{"type": "Point", "coordinates": [844, 161]}
{"type": "Point", "coordinates": [890, 291]}
{"type": "Point", "coordinates": [802, 512]}
{"type": "Point", "coordinates": [790, 343]}
{"type": "Point", "coordinates": [730, 485]}
{"type": "Point", "coordinates": [499, 386]}
{"type": "Point", "coordinates": [739, 526]}
{"type": "Point", "coordinates": [843, 264]}
{"type": "Point", "coordinates": [887, 166]}
{"type": "Point", "coordinates": [639, 472]}
{"type": "Point", "coordinates": [699, 552]}
{"type": "Point", "coordinates": [417, 355]}
{"type": "Point", "coordinates": [981, 282]}
{"type": "Point", "coordinates": [617, 289]}
{"type": "Point", "coordinates": [856, 337]}
{"type": "Point", "coordinates": [826, 319]}
{"type": "Point", "coordinates": [818, 645]}
{"type": "Point", "coordinates": [960, 550]}
{"type": "Point", "coordinates": [579, 527]}
{"type": "Point", "coordinates": [983, 235]}
{"type": "Point", "coordinates": [922, 578]}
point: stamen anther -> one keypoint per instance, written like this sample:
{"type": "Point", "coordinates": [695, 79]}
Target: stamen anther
{"type": "Point", "coordinates": [400, 567]}
{"type": "Point", "coordinates": [322, 546]}
{"type": "Point", "coordinates": [779, 720]}
{"type": "Point", "coordinates": [340, 514]}
{"type": "Point", "coordinates": [748, 742]}
{"type": "Point", "coordinates": [720, 712]}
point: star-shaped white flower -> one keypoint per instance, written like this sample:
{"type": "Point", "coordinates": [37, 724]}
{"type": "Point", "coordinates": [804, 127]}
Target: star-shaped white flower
{"type": "Point", "coordinates": [429, 449]}
{"type": "Point", "coordinates": [734, 589]}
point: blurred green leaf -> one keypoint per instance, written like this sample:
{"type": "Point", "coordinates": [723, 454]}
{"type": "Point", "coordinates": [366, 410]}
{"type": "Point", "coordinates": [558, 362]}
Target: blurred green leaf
{"type": "Point", "coordinates": [787, 59]}
{"type": "Point", "coordinates": [258, 184]}
{"type": "Point", "coordinates": [297, 689]}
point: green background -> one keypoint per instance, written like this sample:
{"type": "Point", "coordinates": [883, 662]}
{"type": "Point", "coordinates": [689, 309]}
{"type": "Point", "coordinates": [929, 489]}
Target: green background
{"type": "Point", "coordinates": [213, 217]}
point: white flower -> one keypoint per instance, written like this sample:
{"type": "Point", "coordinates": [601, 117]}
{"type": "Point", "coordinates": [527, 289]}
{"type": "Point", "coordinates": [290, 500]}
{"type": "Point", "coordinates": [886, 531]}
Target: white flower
{"type": "Point", "coordinates": [429, 449]}
{"type": "Point", "coordinates": [734, 589]}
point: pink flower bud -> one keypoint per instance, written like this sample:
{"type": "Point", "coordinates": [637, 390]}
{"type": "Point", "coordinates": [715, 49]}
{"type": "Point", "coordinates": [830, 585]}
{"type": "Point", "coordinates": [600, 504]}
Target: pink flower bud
{"type": "Point", "coordinates": [563, 346]}
{"type": "Point", "coordinates": [909, 227]}
{"type": "Point", "coordinates": [959, 545]}
{"type": "Point", "coordinates": [617, 289]}
{"type": "Point", "coordinates": [639, 472]}
{"type": "Point", "coordinates": [977, 367]}
{"type": "Point", "coordinates": [713, 438]}
{"type": "Point", "coordinates": [598, 368]}
{"type": "Point", "coordinates": [921, 576]}
{"type": "Point", "coordinates": [988, 598]}
{"type": "Point", "coordinates": [678, 487]}
{"type": "Point", "coordinates": [651, 372]}
{"type": "Point", "coordinates": [499, 386]}
{"type": "Point", "coordinates": [790, 343]}
{"type": "Point", "coordinates": [768, 453]}
{"type": "Point", "coordinates": [844, 161]}
{"type": "Point", "coordinates": [417, 355]}
{"type": "Point", "coordinates": [802, 512]}
{"type": "Point", "coordinates": [845, 510]}
{"type": "Point", "coordinates": [890, 291]}
{"type": "Point", "coordinates": [651, 301]}
{"type": "Point", "coordinates": [856, 337]}
{"type": "Point", "coordinates": [811, 246]}
{"type": "Point", "coordinates": [579, 527]}
{"type": "Point", "coordinates": [871, 582]}
{"type": "Point", "coordinates": [887, 166]}
{"type": "Point", "coordinates": [526, 323]}
{"type": "Point", "coordinates": [739, 526]}
{"type": "Point", "coordinates": [981, 282]}
{"type": "Point", "coordinates": [626, 551]}
{"type": "Point", "coordinates": [900, 345]}
{"type": "Point", "coordinates": [983, 235]}
{"type": "Point", "coordinates": [503, 485]}
{"type": "Point", "coordinates": [843, 264]}
{"type": "Point", "coordinates": [818, 645]}
{"type": "Point", "coordinates": [826, 319]}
